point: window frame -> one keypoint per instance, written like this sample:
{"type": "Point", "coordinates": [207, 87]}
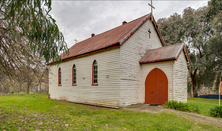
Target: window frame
{"type": "Point", "coordinates": [59, 77]}
{"type": "Point", "coordinates": [93, 73]}
{"type": "Point", "coordinates": [74, 77]}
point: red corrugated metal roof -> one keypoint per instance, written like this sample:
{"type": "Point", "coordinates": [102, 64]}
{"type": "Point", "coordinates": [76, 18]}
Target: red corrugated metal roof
{"type": "Point", "coordinates": [103, 40]}
{"type": "Point", "coordinates": [112, 38]}
{"type": "Point", "coordinates": [166, 53]}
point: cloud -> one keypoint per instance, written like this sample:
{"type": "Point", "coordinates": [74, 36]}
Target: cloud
{"type": "Point", "coordinates": [78, 19]}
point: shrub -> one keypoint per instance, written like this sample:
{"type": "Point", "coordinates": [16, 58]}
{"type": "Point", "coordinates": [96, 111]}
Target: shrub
{"type": "Point", "coordinates": [181, 106]}
{"type": "Point", "coordinates": [216, 111]}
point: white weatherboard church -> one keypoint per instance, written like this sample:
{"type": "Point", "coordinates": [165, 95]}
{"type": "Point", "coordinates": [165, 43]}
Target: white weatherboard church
{"type": "Point", "coordinates": [126, 65]}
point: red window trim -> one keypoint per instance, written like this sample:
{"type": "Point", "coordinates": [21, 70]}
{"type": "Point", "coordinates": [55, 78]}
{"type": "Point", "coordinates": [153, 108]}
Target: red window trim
{"type": "Point", "coordinates": [59, 79]}
{"type": "Point", "coordinates": [94, 84]}
{"type": "Point", "coordinates": [73, 76]}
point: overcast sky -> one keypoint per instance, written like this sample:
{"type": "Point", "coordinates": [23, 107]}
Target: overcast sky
{"type": "Point", "coordinates": [79, 19]}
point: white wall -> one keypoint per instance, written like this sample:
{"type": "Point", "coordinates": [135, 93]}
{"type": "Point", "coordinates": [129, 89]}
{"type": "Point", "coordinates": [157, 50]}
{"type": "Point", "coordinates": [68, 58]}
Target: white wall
{"type": "Point", "coordinates": [131, 85]}
{"type": "Point", "coordinates": [105, 94]}
{"type": "Point", "coordinates": [180, 78]}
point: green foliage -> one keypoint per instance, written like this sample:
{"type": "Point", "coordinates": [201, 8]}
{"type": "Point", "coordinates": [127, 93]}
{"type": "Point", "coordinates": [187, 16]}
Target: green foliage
{"type": "Point", "coordinates": [216, 111]}
{"type": "Point", "coordinates": [198, 29]}
{"type": "Point", "coordinates": [203, 104]}
{"type": "Point", "coordinates": [171, 29]}
{"type": "Point", "coordinates": [214, 16]}
{"type": "Point", "coordinates": [27, 23]}
{"type": "Point", "coordinates": [36, 112]}
{"type": "Point", "coordinates": [214, 8]}
{"type": "Point", "coordinates": [181, 106]}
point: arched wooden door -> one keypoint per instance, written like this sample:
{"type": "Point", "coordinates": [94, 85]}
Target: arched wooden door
{"type": "Point", "coordinates": [156, 87]}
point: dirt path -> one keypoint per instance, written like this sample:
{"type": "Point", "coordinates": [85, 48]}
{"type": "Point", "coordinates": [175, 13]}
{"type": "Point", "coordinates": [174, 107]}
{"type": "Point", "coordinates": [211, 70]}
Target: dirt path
{"type": "Point", "coordinates": [145, 108]}
{"type": "Point", "coordinates": [160, 108]}
{"type": "Point", "coordinates": [197, 116]}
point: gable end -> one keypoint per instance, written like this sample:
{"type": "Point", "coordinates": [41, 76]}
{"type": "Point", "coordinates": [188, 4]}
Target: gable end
{"type": "Point", "coordinates": [139, 25]}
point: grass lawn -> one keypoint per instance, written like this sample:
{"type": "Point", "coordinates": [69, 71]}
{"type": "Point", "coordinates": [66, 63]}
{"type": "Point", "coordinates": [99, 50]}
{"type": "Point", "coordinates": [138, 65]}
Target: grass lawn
{"type": "Point", "coordinates": [36, 112]}
{"type": "Point", "coordinates": [204, 104]}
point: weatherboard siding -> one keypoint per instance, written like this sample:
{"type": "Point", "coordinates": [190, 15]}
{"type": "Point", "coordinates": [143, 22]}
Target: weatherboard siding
{"type": "Point", "coordinates": [131, 82]}
{"type": "Point", "coordinates": [180, 81]}
{"type": "Point", "coordinates": [107, 91]}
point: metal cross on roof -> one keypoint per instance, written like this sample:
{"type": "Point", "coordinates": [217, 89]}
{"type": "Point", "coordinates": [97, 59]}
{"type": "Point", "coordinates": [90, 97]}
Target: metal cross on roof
{"type": "Point", "coordinates": [152, 7]}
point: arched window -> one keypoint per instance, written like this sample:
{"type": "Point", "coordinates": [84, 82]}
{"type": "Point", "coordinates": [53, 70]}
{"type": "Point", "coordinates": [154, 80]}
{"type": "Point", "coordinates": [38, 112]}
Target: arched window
{"type": "Point", "coordinates": [95, 73]}
{"type": "Point", "coordinates": [74, 75]}
{"type": "Point", "coordinates": [59, 77]}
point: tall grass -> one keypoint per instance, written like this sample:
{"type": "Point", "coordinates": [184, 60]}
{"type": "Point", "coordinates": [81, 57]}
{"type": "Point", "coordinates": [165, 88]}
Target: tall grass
{"type": "Point", "coordinates": [216, 111]}
{"type": "Point", "coordinates": [182, 106]}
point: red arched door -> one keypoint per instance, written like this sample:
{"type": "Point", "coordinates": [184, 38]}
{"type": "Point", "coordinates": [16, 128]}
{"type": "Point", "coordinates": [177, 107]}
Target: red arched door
{"type": "Point", "coordinates": [156, 87]}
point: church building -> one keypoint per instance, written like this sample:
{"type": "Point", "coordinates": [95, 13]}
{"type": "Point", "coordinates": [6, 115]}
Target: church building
{"type": "Point", "coordinates": [126, 65]}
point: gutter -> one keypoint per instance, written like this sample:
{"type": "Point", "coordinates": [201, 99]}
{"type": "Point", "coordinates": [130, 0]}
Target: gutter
{"type": "Point", "coordinates": [155, 61]}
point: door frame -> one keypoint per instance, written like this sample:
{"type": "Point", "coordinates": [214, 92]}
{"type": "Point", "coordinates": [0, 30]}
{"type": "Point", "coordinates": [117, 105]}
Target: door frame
{"type": "Point", "coordinates": [167, 84]}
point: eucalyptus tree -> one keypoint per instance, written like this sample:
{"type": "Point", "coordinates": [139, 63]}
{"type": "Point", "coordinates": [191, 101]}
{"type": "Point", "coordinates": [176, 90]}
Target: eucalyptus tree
{"type": "Point", "coordinates": [27, 29]}
{"type": "Point", "coordinates": [27, 33]}
{"type": "Point", "coordinates": [198, 32]}
{"type": "Point", "coordinates": [214, 16]}
{"type": "Point", "coordinates": [172, 29]}
{"type": "Point", "coordinates": [193, 29]}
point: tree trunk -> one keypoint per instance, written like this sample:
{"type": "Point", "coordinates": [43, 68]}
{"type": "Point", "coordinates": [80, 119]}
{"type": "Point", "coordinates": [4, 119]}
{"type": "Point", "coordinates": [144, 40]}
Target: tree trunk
{"type": "Point", "coordinates": [27, 90]}
{"type": "Point", "coordinates": [28, 86]}
{"type": "Point", "coordinates": [194, 83]}
{"type": "Point", "coordinates": [40, 92]}
{"type": "Point", "coordinates": [20, 88]}
{"type": "Point", "coordinates": [2, 89]}
{"type": "Point", "coordinates": [28, 75]}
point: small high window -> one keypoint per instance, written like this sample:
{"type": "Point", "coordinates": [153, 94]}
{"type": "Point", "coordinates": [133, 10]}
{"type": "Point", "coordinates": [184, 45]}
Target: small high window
{"type": "Point", "coordinates": [95, 73]}
{"type": "Point", "coordinates": [59, 77]}
{"type": "Point", "coordinates": [74, 75]}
